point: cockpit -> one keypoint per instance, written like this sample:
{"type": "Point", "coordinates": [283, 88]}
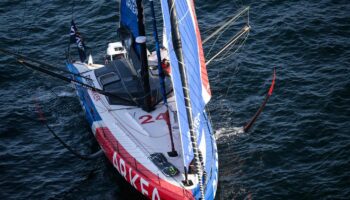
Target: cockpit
{"type": "Point", "coordinates": [121, 76]}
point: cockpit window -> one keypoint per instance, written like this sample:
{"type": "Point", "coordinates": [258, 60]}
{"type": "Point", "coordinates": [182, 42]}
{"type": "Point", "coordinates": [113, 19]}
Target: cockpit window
{"type": "Point", "coordinates": [109, 78]}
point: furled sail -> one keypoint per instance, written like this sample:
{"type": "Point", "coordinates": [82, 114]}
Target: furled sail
{"type": "Point", "coordinates": [128, 16]}
{"type": "Point", "coordinates": [197, 78]}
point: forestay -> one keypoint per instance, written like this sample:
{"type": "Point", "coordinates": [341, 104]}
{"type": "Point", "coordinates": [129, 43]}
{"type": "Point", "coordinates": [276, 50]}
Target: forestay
{"type": "Point", "coordinates": [194, 62]}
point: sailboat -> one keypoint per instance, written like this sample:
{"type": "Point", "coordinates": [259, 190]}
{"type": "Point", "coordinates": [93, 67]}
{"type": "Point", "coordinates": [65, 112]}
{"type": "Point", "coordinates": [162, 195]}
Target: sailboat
{"type": "Point", "coordinates": [147, 110]}
{"type": "Point", "coordinates": [151, 123]}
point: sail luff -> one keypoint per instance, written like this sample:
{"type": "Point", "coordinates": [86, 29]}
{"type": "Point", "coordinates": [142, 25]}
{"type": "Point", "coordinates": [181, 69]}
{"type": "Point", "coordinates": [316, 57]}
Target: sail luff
{"type": "Point", "coordinates": [176, 40]}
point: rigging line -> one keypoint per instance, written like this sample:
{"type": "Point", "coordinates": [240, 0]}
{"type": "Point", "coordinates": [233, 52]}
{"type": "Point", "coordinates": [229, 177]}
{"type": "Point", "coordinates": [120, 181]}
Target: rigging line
{"type": "Point", "coordinates": [43, 120]}
{"type": "Point", "coordinates": [223, 31]}
{"type": "Point", "coordinates": [230, 47]}
{"type": "Point", "coordinates": [59, 76]}
{"type": "Point", "coordinates": [236, 69]}
{"type": "Point", "coordinates": [72, 10]}
{"type": "Point", "coordinates": [167, 94]}
{"type": "Point", "coordinates": [83, 179]}
{"type": "Point", "coordinates": [104, 107]}
{"type": "Point", "coordinates": [124, 86]}
{"type": "Point", "coordinates": [107, 107]}
{"type": "Point", "coordinates": [221, 105]}
{"type": "Point", "coordinates": [211, 28]}
{"type": "Point", "coordinates": [225, 27]}
{"type": "Point", "coordinates": [216, 39]}
{"type": "Point", "coordinates": [226, 24]}
{"type": "Point", "coordinates": [234, 39]}
{"type": "Point", "coordinates": [183, 17]}
{"type": "Point", "coordinates": [22, 27]}
{"type": "Point", "coordinates": [227, 91]}
{"type": "Point", "coordinates": [248, 20]}
{"type": "Point", "coordinates": [224, 56]}
{"type": "Point", "coordinates": [239, 47]}
{"type": "Point", "coordinates": [229, 53]}
{"type": "Point", "coordinates": [20, 56]}
{"type": "Point", "coordinates": [68, 56]}
{"type": "Point", "coordinates": [122, 108]}
{"type": "Point", "coordinates": [248, 24]}
{"type": "Point", "coordinates": [75, 153]}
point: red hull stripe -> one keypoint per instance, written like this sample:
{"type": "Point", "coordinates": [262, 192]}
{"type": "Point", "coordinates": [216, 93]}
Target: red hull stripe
{"type": "Point", "coordinates": [148, 183]}
{"type": "Point", "coordinates": [204, 74]}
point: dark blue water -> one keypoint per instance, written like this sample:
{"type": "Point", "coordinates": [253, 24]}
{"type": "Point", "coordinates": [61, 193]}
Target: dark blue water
{"type": "Point", "coordinates": [298, 149]}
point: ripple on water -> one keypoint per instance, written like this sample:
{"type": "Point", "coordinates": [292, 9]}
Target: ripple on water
{"type": "Point", "coordinates": [298, 148]}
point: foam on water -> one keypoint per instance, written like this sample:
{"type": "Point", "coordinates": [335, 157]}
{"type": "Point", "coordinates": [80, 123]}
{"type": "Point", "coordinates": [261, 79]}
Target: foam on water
{"type": "Point", "coordinates": [228, 132]}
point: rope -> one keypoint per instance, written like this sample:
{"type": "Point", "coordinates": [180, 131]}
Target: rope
{"type": "Point", "coordinates": [70, 149]}
{"type": "Point", "coordinates": [231, 46]}
{"type": "Point", "coordinates": [21, 33]}
{"type": "Point", "coordinates": [232, 41]}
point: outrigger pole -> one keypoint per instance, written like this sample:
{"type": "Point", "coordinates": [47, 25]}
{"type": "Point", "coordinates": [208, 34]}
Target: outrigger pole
{"type": "Point", "coordinates": [173, 152]}
{"type": "Point", "coordinates": [175, 33]}
{"type": "Point", "coordinates": [222, 28]}
{"type": "Point", "coordinates": [19, 56]}
{"type": "Point", "coordinates": [230, 21]}
{"type": "Point", "coordinates": [69, 80]}
{"type": "Point", "coordinates": [243, 31]}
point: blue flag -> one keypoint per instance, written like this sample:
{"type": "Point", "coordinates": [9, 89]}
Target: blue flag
{"type": "Point", "coordinates": [75, 37]}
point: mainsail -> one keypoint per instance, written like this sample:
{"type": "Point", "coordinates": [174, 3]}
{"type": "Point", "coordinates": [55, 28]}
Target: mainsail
{"type": "Point", "coordinates": [197, 78]}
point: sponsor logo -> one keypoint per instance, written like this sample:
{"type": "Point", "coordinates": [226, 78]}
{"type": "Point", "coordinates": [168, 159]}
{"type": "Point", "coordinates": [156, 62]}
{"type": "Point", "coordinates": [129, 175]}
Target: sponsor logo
{"type": "Point", "coordinates": [96, 96]}
{"type": "Point", "coordinates": [138, 182]}
{"type": "Point", "coordinates": [131, 4]}
{"type": "Point", "coordinates": [196, 122]}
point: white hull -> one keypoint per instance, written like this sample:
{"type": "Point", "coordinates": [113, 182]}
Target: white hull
{"type": "Point", "coordinates": [128, 135]}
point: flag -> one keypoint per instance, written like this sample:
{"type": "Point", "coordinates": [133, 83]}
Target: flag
{"type": "Point", "coordinates": [75, 37]}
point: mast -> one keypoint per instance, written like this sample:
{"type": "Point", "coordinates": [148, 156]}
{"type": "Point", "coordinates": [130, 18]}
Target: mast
{"type": "Point", "coordinates": [176, 39]}
{"type": "Point", "coordinates": [141, 40]}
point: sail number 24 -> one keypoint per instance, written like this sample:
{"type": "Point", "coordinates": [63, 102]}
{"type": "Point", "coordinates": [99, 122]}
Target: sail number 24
{"type": "Point", "coordinates": [145, 119]}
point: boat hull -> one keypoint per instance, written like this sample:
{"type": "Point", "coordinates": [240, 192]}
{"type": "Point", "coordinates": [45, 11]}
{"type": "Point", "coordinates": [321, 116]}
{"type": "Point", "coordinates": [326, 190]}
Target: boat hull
{"type": "Point", "coordinates": [136, 170]}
